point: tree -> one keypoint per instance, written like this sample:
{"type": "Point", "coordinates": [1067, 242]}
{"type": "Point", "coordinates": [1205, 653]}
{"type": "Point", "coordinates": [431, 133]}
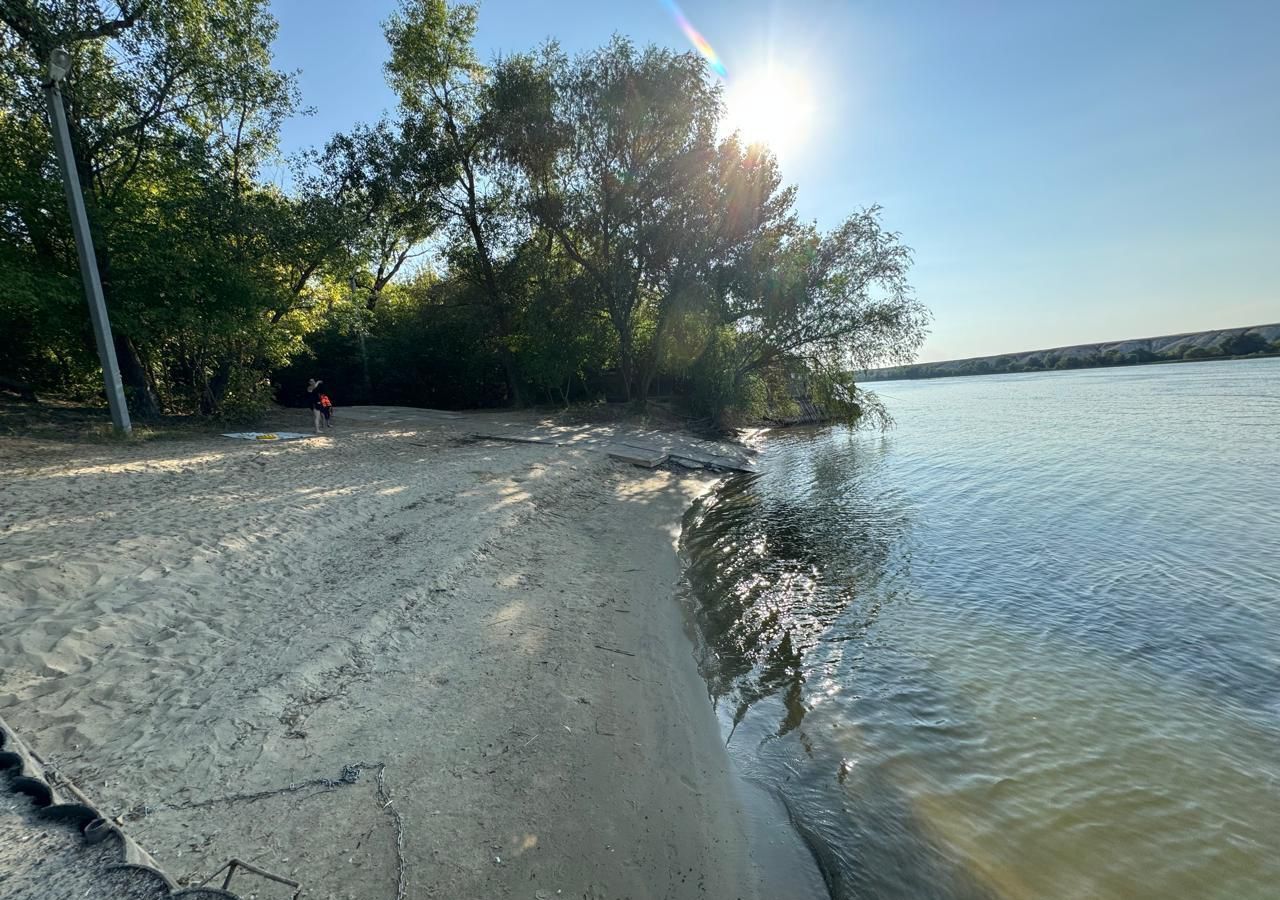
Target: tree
{"type": "Point", "coordinates": [167, 125]}
{"type": "Point", "coordinates": [441, 86]}
{"type": "Point", "coordinates": [408, 171]}
{"type": "Point", "coordinates": [690, 246]}
{"type": "Point", "coordinates": [839, 303]}
{"type": "Point", "coordinates": [622, 169]}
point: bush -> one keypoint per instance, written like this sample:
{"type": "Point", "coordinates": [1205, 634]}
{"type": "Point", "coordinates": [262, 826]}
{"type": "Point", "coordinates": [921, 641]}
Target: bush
{"type": "Point", "coordinates": [718, 392]}
{"type": "Point", "coordinates": [246, 401]}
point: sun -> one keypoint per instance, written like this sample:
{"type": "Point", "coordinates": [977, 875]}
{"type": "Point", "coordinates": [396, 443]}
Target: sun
{"type": "Point", "coordinates": [772, 106]}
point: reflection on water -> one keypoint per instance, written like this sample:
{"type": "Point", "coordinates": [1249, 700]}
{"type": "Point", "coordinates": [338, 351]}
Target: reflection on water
{"type": "Point", "coordinates": [1026, 645]}
{"type": "Point", "coordinates": [776, 565]}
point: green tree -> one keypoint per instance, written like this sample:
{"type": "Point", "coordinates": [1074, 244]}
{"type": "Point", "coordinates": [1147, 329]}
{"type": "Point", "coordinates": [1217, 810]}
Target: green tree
{"type": "Point", "coordinates": [562, 341]}
{"type": "Point", "coordinates": [690, 246]}
{"type": "Point", "coordinates": [624, 175]}
{"type": "Point", "coordinates": [441, 86]}
{"type": "Point", "coordinates": [172, 108]}
{"type": "Point", "coordinates": [841, 303]}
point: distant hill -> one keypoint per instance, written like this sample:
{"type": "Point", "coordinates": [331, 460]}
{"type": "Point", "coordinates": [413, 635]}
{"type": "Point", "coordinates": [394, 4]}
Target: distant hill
{"type": "Point", "coordinates": [1225, 343]}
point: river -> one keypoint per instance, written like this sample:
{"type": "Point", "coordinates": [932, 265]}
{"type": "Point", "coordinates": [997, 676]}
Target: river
{"type": "Point", "coordinates": [1024, 644]}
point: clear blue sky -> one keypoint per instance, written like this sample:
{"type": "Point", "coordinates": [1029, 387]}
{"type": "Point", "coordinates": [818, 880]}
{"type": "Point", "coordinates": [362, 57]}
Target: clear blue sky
{"type": "Point", "coordinates": [1065, 172]}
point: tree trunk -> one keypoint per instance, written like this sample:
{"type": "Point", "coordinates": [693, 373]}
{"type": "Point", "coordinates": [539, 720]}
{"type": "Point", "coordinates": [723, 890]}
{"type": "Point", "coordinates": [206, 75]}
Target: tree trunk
{"type": "Point", "coordinates": [364, 365]}
{"type": "Point", "coordinates": [216, 390]}
{"type": "Point", "coordinates": [142, 400]}
{"type": "Point", "coordinates": [489, 282]}
{"type": "Point", "coordinates": [626, 362]}
{"type": "Point", "coordinates": [646, 382]}
{"type": "Point", "coordinates": [653, 356]}
{"type": "Point", "coordinates": [515, 384]}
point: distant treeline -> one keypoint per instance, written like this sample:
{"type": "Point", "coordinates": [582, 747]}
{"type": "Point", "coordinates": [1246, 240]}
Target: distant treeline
{"type": "Point", "coordinates": [1230, 343]}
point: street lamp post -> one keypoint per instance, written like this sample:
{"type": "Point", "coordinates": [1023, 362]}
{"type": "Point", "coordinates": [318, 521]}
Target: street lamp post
{"type": "Point", "coordinates": [59, 61]}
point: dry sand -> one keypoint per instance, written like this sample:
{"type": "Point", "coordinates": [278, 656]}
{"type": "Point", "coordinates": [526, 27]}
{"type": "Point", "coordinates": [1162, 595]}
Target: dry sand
{"type": "Point", "coordinates": [185, 623]}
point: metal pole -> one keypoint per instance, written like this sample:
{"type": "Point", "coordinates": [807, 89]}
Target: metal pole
{"type": "Point", "coordinates": [88, 260]}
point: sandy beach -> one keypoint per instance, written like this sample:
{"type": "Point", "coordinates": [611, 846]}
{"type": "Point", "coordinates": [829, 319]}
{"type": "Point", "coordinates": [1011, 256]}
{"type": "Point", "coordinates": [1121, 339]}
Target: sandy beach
{"type": "Point", "coordinates": [392, 661]}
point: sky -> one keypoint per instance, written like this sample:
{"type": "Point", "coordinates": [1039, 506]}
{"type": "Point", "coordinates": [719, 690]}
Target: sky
{"type": "Point", "coordinates": [1064, 172]}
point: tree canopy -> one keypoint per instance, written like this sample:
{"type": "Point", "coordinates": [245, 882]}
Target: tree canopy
{"type": "Point", "coordinates": [533, 228]}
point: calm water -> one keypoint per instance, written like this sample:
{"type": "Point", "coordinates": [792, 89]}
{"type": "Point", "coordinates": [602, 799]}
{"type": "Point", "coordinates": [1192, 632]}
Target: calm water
{"type": "Point", "coordinates": [1024, 645]}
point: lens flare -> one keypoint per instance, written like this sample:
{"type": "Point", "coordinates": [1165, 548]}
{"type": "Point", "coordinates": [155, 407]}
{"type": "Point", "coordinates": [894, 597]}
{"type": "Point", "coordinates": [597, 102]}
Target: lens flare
{"type": "Point", "coordinates": [699, 42]}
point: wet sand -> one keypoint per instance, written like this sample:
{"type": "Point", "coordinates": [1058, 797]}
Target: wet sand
{"type": "Point", "coordinates": [248, 649]}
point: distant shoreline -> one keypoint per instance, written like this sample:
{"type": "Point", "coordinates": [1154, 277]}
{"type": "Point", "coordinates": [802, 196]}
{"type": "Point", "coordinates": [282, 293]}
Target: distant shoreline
{"type": "Point", "coordinates": [1154, 362]}
{"type": "Point", "coordinates": [1249, 342]}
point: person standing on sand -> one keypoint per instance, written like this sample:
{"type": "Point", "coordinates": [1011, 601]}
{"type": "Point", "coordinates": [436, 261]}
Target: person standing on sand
{"type": "Point", "coordinates": [316, 397]}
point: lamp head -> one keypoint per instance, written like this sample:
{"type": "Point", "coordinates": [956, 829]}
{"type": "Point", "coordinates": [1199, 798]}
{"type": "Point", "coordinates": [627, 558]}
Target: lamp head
{"type": "Point", "coordinates": [59, 64]}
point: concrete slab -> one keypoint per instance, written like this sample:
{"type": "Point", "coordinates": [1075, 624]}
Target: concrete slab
{"type": "Point", "coordinates": [516, 438]}
{"type": "Point", "coordinates": [644, 444]}
{"type": "Point", "coordinates": [647, 457]}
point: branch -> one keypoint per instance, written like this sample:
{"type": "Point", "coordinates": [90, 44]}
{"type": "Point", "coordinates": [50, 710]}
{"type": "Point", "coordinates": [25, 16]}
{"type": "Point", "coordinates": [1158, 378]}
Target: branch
{"type": "Point", "coordinates": [109, 29]}
{"type": "Point", "coordinates": [22, 21]}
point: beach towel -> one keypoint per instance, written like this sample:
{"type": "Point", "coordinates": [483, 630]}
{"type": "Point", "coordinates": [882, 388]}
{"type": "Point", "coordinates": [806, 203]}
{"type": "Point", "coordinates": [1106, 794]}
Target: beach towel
{"type": "Point", "coordinates": [266, 435]}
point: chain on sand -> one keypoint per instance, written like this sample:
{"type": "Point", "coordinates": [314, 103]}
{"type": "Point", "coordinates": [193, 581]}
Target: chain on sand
{"type": "Point", "coordinates": [350, 775]}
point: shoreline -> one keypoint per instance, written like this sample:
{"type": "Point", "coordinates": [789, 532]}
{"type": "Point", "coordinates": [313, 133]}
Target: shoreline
{"type": "Point", "coordinates": [786, 861]}
{"type": "Point", "coordinates": [200, 625]}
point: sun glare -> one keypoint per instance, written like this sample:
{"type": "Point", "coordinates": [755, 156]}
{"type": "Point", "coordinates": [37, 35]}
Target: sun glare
{"type": "Point", "coordinates": [773, 107]}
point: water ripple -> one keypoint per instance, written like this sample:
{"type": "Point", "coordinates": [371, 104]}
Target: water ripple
{"type": "Point", "coordinates": [1027, 645]}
